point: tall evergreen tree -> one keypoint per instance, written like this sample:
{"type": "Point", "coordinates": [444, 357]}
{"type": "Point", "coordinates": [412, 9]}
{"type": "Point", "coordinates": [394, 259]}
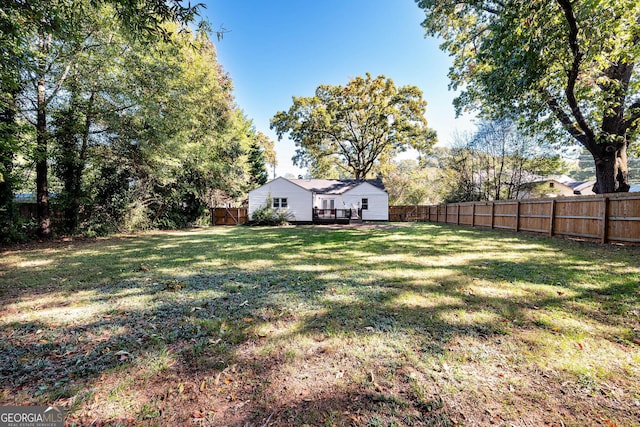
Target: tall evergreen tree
{"type": "Point", "coordinates": [257, 167]}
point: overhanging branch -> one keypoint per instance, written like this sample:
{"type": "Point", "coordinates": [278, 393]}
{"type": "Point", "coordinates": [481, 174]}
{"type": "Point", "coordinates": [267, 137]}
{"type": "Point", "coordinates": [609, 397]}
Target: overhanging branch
{"type": "Point", "coordinates": [565, 119]}
{"type": "Point", "coordinates": [572, 74]}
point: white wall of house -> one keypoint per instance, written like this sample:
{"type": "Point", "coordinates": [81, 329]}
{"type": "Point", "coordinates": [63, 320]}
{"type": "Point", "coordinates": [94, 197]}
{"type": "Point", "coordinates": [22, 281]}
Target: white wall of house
{"type": "Point", "coordinates": [378, 201]}
{"type": "Point", "coordinates": [299, 200]}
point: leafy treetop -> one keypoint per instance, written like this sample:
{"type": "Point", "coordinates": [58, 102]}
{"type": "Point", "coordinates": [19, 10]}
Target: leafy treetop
{"type": "Point", "coordinates": [356, 127]}
{"type": "Point", "coordinates": [566, 68]}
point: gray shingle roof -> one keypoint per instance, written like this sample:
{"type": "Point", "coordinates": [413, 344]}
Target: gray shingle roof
{"type": "Point", "coordinates": [334, 186]}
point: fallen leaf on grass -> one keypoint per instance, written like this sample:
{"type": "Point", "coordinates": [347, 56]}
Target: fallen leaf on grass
{"type": "Point", "coordinates": [203, 385]}
{"type": "Point", "coordinates": [607, 422]}
{"type": "Point", "coordinates": [580, 346]}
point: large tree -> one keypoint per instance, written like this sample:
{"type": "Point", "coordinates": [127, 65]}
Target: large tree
{"type": "Point", "coordinates": [567, 67]}
{"type": "Point", "coordinates": [41, 44]}
{"type": "Point", "coordinates": [355, 127]}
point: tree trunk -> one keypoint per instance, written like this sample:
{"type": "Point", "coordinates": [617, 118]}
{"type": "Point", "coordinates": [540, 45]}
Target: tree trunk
{"type": "Point", "coordinates": [42, 184]}
{"type": "Point", "coordinates": [7, 138]}
{"type": "Point", "coordinates": [75, 169]}
{"type": "Point", "coordinates": [612, 172]}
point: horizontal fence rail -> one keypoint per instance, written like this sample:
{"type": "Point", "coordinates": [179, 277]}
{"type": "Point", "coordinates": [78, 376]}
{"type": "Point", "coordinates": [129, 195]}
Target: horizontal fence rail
{"type": "Point", "coordinates": [606, 218]}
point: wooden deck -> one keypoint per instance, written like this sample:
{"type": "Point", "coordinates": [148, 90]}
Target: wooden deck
{"type": "Point", "coordinates": [337, 216]}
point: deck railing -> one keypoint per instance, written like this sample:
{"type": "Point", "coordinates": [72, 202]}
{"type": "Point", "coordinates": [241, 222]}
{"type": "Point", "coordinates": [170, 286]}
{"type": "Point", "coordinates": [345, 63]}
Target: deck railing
{"type": "Point", "coordinates": [336, 215]}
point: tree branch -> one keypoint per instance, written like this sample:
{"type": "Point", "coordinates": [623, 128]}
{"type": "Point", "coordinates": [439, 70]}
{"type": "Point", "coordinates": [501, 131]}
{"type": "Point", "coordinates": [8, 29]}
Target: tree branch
{"type": "Point", "coordinates": [59, 84]}
{"type": "Point", "coordinates": [566, 121]}
{"type": "Point", "coordinates": [572, 74]}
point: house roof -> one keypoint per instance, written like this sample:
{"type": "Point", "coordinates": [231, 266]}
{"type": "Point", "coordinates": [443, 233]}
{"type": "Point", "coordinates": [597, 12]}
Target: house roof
{"type": "Point", "coordinates": [571, 183]}
{"type": "Point", "coordinates": [335, 186]}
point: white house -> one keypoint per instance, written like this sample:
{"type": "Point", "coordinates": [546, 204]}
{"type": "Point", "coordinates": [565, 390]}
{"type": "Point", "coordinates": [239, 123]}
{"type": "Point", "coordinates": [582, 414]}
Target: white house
{"type": "Point", "coordinates": [324, 200]}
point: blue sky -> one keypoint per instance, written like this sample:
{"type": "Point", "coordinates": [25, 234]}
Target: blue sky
{"type": "Point", "coordinates": [282, 48]}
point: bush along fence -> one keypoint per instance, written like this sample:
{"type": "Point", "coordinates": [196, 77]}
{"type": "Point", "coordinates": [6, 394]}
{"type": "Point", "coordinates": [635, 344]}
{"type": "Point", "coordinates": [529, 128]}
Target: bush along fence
{"type": "Point", "coordinates": [607, 218]}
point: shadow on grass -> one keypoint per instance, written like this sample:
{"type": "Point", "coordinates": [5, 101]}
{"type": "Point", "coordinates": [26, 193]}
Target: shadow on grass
{"type": "Point", "coordinates": [202, 299]}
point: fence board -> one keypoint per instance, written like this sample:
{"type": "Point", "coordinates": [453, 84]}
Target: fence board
{"type": "Point", "coordinates": [610, 218]}
{"type": "Point", "coordinates": [624, 219]}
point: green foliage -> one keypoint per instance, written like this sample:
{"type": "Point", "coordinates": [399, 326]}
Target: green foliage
{"type": "Point", "coordinates": [140, 95]}
{"type": "Point", "coordinates": [268, 215]}
{"type": "Point", "coordinates": [138, 130]}
{"type": "Point", "coordinates": [358, 127]}
{"type": "Point", "coordinates": [409, 182]}
{"type": "Point", "coordinates": [268, 150]}
{"type": "Point", "coordinates": [566, 69]}
{"type": "Point", "coordinates": [257, 168]}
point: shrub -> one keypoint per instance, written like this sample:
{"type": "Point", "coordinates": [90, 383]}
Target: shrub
{"type": "Point", "coordinates": [268, 215]}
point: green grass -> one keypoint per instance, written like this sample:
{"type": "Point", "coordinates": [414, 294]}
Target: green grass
{"type": "Point", "coordinates": [407, 324]}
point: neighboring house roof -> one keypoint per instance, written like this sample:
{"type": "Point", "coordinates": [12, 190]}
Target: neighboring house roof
{"type": "Point", "coordinates": [335, 186]}
{"type": "Point", "coordinates": [578, 187]}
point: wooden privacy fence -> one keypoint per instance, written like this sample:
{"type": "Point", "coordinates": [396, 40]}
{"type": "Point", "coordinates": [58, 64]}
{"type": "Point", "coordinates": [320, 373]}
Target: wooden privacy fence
{"type": "Point", "coordinates": [608, 218]}
{"type": "Point", "coordinates": [228, 216]}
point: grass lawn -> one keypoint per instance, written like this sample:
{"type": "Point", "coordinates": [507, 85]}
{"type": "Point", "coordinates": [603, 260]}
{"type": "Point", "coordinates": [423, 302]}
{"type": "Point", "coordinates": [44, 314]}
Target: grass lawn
{"type": "Point", "coordinates": [399, 324]}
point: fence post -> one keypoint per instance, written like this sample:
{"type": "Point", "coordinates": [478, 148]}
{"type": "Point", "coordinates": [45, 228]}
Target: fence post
{"type": "Point", "coordinates": [458, 215]}
{"type": "Point", "coordinates": [605, 220]}
{"type": "Point", "coordinates": [473, 214]}
{"type": "Point", "coordinates": [493, 206]}
{"type": "Point", "coordinates": [552, 216]}
{"type": "Point", "coordinates": [212, 215]}
{"type": "Point", "coordinates": [517, 227]}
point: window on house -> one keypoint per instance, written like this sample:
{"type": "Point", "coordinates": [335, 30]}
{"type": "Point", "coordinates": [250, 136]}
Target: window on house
{"type": "Point", "coordinates": [551, 184]}
{"type": "Point", "coordinates": [280, 202]}
{"type": "Point", "coordinates": [365, 204]}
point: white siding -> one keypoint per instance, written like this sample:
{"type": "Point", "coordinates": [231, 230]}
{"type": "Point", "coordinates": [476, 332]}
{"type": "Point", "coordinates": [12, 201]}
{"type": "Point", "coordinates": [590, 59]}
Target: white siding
{"type": "Point", "coordinates": [298, 199]}
{"type": "Point", "coordinates": [378, 201]}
